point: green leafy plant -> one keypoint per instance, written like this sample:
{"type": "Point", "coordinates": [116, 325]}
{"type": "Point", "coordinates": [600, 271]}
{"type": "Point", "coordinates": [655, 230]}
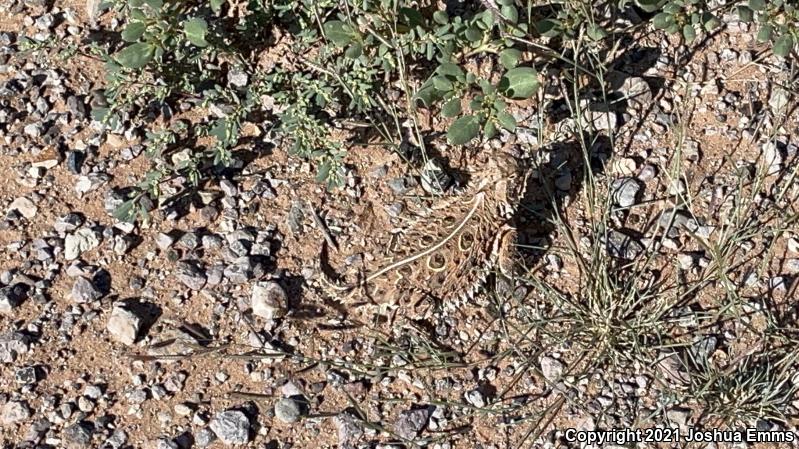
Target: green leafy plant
{"type": "Point", "coordinates": [487, 109]}
{"type": "Point", "coordinates": [778, 21]}
{"type": "Point", "coordinates": [681, 16]}
{"type": "Point", "coordinates": [377, 65]}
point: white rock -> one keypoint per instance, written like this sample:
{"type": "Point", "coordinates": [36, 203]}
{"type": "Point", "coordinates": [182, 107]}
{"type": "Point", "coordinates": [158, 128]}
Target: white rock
{"type": "Point", "coordinates": [182, 409]}
{"type": "Point", "coordinates": [13, 412]}
{"type": "Point", "coordinates": [625, 166]}
{"type": "Point", "coordinates": [24, 206]}
{"type": "Point", "coordinates": [793, 245]}
{"type": "Point", "coordinates": [551, 368]}
{"type": "Point", "coordinates": [686, 261]}
{"type": "Point", "coordinates": [625, 191]}
{"type": "Point", "coordinates": [81, 241]}
{"type": "Point", "coordinates": [772, 158]}
{"type": "Point", "coordinates": [288, 410]}
{"type": "Point", "coordinates": [268, 300]}
{"type": "Point", "coordinates": [123, 325]}
{"type": "Point", "coordinates": [779, 100]}
{"type": "Point", "coordinates": [231, 426]}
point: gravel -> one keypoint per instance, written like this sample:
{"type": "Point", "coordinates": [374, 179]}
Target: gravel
{"type": "Point", "coordinates": [349, 431]}
{"type": "Point", "coordinates": [676, 220]}
{"type": "Point", "coordinates": [242, 270]}
{"type": "Point", "coordinates": [25, 375]}
{"type": "Point", "coordinates": [288, 410]}
{"type": "Point", "coordinates": [84, 290]}
{"type": "Point", "coordinates": [224, 242]}
{"type": "Point", "coordinates": [24, 206]}
{"type": "Point", "coordinates": [231, 426]}
{"type": "Point", "coordinates": [82, 240]}
{"type": "Point", "coordinates": [772, 158]}
{"type": "Point", "coordinates": [410, 423]}
{"type": "Point", "coordinates": [647, 173]}
{"type": "Point", "coordinates": [622, 246]}
{"type": "Point", "coordinates": [79, 434]}
{"type": "Point", "coordinates": [435, 180]}
{"type": "Point", "coordinates": [68, 223]}
{"type": "Point", "coordinates": [164, 241]}
{"type": "Point", "coordinates": [476, 398]}
{"type": "Point", "coordinates": [268, 300]}
{"type": "Point", "coordinates": [678, 416]}
{"type": "Point", "coordinates": [204, 437]}
{"type": "Point", "coordinates": [691, 151]}
{"type": "Point", "coordinates": [11, 297]}
{"type": "Point", "coordinates": [13, 344]}
{"type": "Point", "coordinates": [191, 274]}
{"type": "Point", "coordinates": [117, 439]}
{"type": "Point", "coordinates": [625, 191]}
{"type": "Point", "coordinates": [402, 185]}
{"type": "Point", "coordinates": [123, 325]}
{"type": "Point", "coordinates": [551, 368]}
{"type": "Point", "coordinates": [14, 412]}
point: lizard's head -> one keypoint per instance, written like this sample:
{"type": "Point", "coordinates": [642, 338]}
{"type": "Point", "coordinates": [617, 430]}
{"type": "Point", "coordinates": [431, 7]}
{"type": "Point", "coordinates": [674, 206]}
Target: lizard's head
{"type": "Point", "coordinates": [506, 180]}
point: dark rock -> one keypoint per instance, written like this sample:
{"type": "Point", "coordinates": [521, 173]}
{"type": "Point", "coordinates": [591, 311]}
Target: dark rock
{"type": "Point", "coordinates": [622, 246]}
{"type": "Point", "coordinates": [84, 290]}
{"type": "Point", "coordinates": [79, 434]}
{"type": "Point", "coordinates": [191, 274]}
{"type": "Point", "coordinates": [25, 375]}
{"type": "Point", "coordinates": [12, 296]}
{"type": "Point", "coordinates": [76, 107]}
{"type": "Point", "coordinates": [402, 185]}
{"type": "Point", "coordinates": [75, 161]}
{"type": "Point", "coordinates": [411, 423]}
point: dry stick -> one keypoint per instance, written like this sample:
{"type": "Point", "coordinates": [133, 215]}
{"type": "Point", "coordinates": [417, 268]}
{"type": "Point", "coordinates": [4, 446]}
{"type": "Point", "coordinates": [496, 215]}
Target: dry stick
{"type": "Point", "coordinates": [321, 225]}
{"type": "Point", "coordinates": [536, 431]}
{"type": "Point", "coordinates": [250, 396]}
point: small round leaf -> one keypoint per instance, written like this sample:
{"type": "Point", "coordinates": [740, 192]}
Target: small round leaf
{"type": "Point", "coordinates": [506, 120]}
{"type": "Point", "coordinates": [548, 27]}
{"type": "Point", "coordinates": [783, 45]}
{"type": "Point", "coordinates": [442, 84]}
{"type": "Point", "coordinates": [195, 30]}
{"type": "Point", "coordinates": [490, 129]}
{"type": "Point", "coordinates": [440, 17]}
{"type": "Point", "coordinates": [765, 33]}
{"type": "Point", "coordinates": [474, 34]}
{"type": "Point", "coordinates": [133, 31]}
{"type": "Point", "coordinates": [135, 56]}
{"type": "Point", "coordinates": [663, 21]}
{"type": "Point", "coordinates": [520, 83]}
{"type": "Point", "coordinates": [354, 51]}
{"type": "Point", "coordinates": [510, 12]}
{"type": "Point", "coordinates": [710, 21]}
{"type": "Point", "coordinates": [450, 69]}
{"type": "Point", "coordinates": [509, 57]}
{"type": "Point", "coordinates": [649, 5]}
{"type": "Point", "coordinates": [464, 129]}
{"type": "Point", "coordinates": [452, 107]}
{"type": "Point", "coordinates": [216, 5]}
{"type": "Point", "coordinates": [746, 14]}
{"type": "Point", "coordinates": [689, 33]}
{"type": "Point", "coordinates": [339, 32]}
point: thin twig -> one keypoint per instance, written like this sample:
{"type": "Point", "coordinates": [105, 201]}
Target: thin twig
{"type": "Point", "coordinates": [320, 224]}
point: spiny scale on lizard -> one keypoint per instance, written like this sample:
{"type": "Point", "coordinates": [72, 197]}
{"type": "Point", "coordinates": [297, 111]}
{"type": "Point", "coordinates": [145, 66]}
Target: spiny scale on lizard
{"type": "Point", "coordinates": [449, 255]}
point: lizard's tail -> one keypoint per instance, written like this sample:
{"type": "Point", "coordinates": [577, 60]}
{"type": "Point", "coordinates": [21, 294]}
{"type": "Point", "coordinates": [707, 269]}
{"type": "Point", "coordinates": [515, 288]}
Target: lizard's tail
{"type": "Point", "coordinates": [327, 275]}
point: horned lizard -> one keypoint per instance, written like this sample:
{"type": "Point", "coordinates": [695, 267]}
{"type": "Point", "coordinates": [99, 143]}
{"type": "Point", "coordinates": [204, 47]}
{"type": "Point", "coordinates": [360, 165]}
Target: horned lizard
{"type": "Point", "coordinates": [448, 255]}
